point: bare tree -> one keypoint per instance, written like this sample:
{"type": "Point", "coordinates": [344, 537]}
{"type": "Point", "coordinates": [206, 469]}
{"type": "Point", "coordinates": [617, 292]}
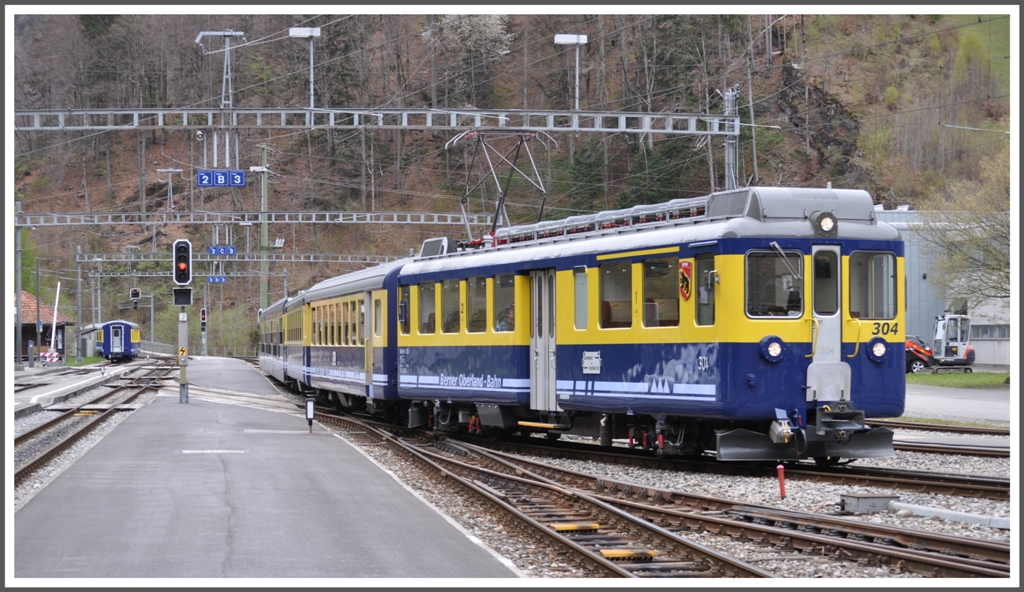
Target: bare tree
{"type": "Point", "coordinates": [968, 235]}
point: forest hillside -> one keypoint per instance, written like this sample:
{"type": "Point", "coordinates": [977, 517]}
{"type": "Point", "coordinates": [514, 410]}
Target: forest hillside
{"type": "Point", "coordinates": [902, 106]}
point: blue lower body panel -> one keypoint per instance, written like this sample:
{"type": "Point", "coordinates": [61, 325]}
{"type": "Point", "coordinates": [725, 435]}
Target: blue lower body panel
{"type": "Point", "coordinates": [342, 369]}
{"type": "Point", "coordinates": [714, 381]}
{"type": "Point", "coordinates": [492, 374]}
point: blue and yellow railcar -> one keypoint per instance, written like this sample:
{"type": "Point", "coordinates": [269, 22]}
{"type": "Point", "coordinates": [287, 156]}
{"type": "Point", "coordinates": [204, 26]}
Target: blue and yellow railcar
{"type": "Point", "coordinates": [272, 352]}
{"type": "Point", "coordinates": [119, 341]}
{"type": "Point", "coordinates": [761, 323]}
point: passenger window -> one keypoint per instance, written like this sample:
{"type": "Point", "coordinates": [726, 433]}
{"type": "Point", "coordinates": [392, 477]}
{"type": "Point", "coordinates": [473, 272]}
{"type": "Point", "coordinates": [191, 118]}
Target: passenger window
{"type": "Point", "coordinates": [344, 324]}
{"type": "Point", "coordinates": [579, 281]}
{"type": "Point", "coordinates": [661, 292]}
{"type": "Point", "coordinates": [332, 324]}
{"type": "Point", "coordinates": [426, 309]}
{"type": "Point", "coordinates": [378, 317]}
{"type": "Point", "coordinates": [450, 305]}
{"type": "Point", "coordinates": [476, 304]}
{"type": "Point", "coordinates": [360, 324]}
{"type": "Point", "coordinates": [773, 284]}
{"type": "Point", "coordinates": [616, 290]}
{"type": "Point", "coordinates": [403, 309]}
{"type": "Point", "coordinates": [504, 305]}
{"type": "Point", "coordinates": [872, 285]}
{"type": "Point", "coordinates": [706, 284]}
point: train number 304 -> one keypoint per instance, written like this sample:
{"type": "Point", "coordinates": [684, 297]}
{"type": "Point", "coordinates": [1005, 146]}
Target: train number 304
{"type": "Point", "coordinates": [885, 328]}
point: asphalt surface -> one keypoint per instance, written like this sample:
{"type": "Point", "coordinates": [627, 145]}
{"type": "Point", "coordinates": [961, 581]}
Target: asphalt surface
{"type": "Point", "coordinates": [207, 490]}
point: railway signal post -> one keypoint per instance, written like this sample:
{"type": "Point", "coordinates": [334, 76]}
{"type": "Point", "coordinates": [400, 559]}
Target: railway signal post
{"type": "Point", "coordinates": [182, 275]}
{"type": "Point", "coordinates": [202, 325]}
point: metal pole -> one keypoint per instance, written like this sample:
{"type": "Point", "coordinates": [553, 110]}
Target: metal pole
{"type": "Point", "coordinates": [152, 325]}
{"type": "Point", "coordinates": [17, 280]}
{"type": "Point", "coordinates": [38, 318]}
{"type": "Point", "coordinates": [78, 343]}
{"type": "Point", "coordinates": [311, 80]}
{"type": "Point", "coordinates": [577, 76]}
{"type": "Point", "coordinates": [183, 355]}
{"type": "Point", "coordinates": [264, 243]}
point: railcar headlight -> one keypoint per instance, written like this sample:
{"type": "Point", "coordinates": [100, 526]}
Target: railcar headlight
{"type": "Point", "coordinates": [824, 223]}
{"type": "Point", "coordinates": [772, 349]}
{"type": "Point", "coordinates": [878, 349]}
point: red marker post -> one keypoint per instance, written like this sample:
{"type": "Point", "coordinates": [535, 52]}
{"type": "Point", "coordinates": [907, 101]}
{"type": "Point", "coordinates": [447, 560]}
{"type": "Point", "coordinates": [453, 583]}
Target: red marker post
{"type": "Point", "coordinates": [782, 481]}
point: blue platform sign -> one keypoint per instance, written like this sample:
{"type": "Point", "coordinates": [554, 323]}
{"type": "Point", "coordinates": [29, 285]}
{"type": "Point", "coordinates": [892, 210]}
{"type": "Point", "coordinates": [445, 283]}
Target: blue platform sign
{"type": "Point", "coordinates": [219, 178]}
{"type": "Point", "coordinates": [215, 250]}
{"type": "Point", "coordinates": [216, 279]}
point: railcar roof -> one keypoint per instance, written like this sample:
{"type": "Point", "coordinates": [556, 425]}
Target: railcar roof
{"type": "Point", "coordinates": [751, 212]}
{"type": "Point", "coordinates": [123, 322]}
{"type": "Point", "coordinates": [370, 278]}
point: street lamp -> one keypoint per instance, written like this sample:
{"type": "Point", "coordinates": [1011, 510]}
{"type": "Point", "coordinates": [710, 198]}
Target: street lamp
{"type": "Point", "coordinates": [576, 40]}
{"type": "Point", "coordinates": [309, 32]}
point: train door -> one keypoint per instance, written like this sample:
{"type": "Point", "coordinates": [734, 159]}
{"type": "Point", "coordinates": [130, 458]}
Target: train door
{"type": "Point", "coordinates": [116, 339]}
{"type": "Point", "coordinates": [368, 323]}
{"type": "Point", "coordinates": [828, 376]}
{"type": "Point", "coordinates": [542, 341]}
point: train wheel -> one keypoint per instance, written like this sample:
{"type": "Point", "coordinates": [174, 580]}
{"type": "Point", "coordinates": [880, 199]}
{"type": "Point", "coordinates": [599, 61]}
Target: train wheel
{"type": "Point", "coordinates": [553, 436]}
{"type": "Point", "coordinates": [968, 370]}
{"type": "Point", "coordinates": [826, 461]}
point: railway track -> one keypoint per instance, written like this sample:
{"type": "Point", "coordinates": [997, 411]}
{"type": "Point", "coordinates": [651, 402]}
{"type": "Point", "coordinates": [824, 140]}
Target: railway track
{"type": "Point", "coordinates": [956, 449]}
{"type": "Point", "coordinates": [805, 533]}
{"type": "Point", "coordinates": [36, 447]}
{"type": "Point", "coordinates": [961, 485]}
{"type": "Point", "coordinates": [918, 551]}
{"type": "Point", "coordinates": [610, 541]}
{"type": "Point", "coordinates": [933, 427]}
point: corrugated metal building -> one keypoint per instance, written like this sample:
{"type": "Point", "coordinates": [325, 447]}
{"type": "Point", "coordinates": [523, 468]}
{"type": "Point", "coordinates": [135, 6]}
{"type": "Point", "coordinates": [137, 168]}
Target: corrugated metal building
{"type": "Point", "coordinates": [990, 321]}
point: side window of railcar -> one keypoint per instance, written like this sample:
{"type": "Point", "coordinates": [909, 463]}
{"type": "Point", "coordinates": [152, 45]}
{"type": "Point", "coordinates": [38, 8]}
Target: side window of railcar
{"type": "Point", "coordinates": [360, 325]}
{"type": "Point", "coordinates": [504, 304]}
{"type": "Point", "coordinates": [450, 305]}
{"type": "Point", "coordinates": [378, 317]}
{"type": "Point", "coordinates": [616, 290]}
{"type": "Point", "coordinates": [427, 310]}
{"type": "Point", "coordinates": [344, 323]}
{"type": "Point", "coordinates": [773, 285]}
{"type": "Point", "coordinates": [476, 304]}
{"type": "Point", "coordinates": [332, 321]}
{"type": "Point", "coordinates": [338, 335]}
{"type": "Point", "coordinates": [706, 284]}
{"type": "Point", "coordinates": [661, 292]}
{"type": "Point", "coordinates": [872, 285]}
{"type": "Point", "coordinates": [403, 309]}
{"type": "Point", "coordinates": [579, 282]}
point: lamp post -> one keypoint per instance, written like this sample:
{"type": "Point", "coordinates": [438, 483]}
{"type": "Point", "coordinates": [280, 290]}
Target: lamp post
{"type": "Point", "coordinates": [576, 40]}
{"type": "Point", "coordinates": [309, 32]}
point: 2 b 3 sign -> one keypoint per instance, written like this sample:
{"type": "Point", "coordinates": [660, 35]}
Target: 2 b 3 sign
{"type": "Point", "coordinates": [220, 178]}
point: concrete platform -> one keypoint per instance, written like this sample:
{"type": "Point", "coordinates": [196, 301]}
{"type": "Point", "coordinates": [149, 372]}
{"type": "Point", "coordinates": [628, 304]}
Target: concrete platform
{"type": "Point", "coordinates": [206, 490]}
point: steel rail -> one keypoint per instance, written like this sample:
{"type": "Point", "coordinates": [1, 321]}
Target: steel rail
{"type": "Point", "coordinates": [953, 556]}
{"type": "Point", "coordinates": [505, 490]}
